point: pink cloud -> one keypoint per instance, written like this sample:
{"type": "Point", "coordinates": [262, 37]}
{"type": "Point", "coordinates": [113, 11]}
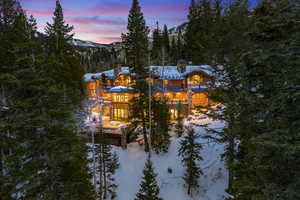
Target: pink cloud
{"type": "Point", "coordinates": [96, 30]}
{"type": "Point", "coordinates": [96, 20]}
{"type": "Point", "coordinates": [36, 13]}
{"type": "Point", "coordinates": [113, 10]}
{"type": "Point", "coordinates": [107, 40]}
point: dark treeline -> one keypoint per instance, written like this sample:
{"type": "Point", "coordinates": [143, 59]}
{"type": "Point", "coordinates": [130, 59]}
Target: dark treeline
{"type": "Point", "coordinates": [41, 156]}
{"type": "Point", "coordinates": [256, 56]}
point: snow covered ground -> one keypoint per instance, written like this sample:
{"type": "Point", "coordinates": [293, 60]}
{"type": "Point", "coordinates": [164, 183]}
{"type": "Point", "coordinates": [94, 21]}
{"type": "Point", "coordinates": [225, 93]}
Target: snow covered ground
{"type": "Point", "coordinates": [212, 183]}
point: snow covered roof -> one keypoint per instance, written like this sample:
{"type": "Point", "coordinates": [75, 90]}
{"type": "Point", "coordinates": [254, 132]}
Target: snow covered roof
{"type": "Point", "coordinates": [120, 89]}
{"type": "Point", "coordinates": [171, 72]}
{"type": "Point", "coordinates": [163, 72]}
{"type": "Point", "coordinates": [108, 73]}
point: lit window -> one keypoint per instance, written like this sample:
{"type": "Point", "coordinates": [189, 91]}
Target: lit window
{"type": "Point", "coordinates": [174, 113]}
{"type": "Point", "coordinates": [196, 80]}
{"type": "Point", "coordinates": [120, 114]}
{"type": "Point", "coordinates": [120, 98]}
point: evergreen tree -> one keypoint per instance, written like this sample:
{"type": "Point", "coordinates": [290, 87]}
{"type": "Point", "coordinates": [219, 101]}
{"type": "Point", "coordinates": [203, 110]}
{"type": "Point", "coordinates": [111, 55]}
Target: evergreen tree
{"type": "Point", "coordinates": [46, 159]}
{"type": "Point", "coordinates": [13, 44]}
{"type": "Point", "coordinates": [149, 189]}
{"type": "Point", "coordinates": [136, 48]}
{"type": "Point", "coordinates": [201, 32]}
{"type": "Point", "coordinates": [58, 32]}
{"type": "Point", "coordinates": [156, 56]}
{"type": "Point", "coordinates": [179, 126]}
{"type": "Point", "coordinates": [190, 36]}
{"type": "Point", "coordinates": [190, 152]}
{"type": "Point", "coordinates": [160, 137]}
{"type": "Point", "coordinates": [107, 165]}
{"type": "Point", "coordinates": [66, 62]}
{"type": "Point", "coordinates": [166, 40]}
{"type": "Point", "coordinates": [136, 40]}
{"type": "Point", "coordinates": [166, 45]}
{"type": "Point", "coordinates": [236, 22]}
{"type": "Point", "coordinates": [257, 51]}
{"type": "Point", "coordinates": [173, 52]}
{"type": "Point", "coordinates": [180, 47]}
{"type": "Point", "coordinates": [267, 143]}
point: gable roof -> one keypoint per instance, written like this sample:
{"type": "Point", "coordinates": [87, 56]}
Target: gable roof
{"type": "Point", "coordinates": [162, 72]}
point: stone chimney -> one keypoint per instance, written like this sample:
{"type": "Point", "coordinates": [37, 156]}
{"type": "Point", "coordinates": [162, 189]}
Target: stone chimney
{"type": "Point", "coordinates": [117, 69]}
{"type": "Point", "coordinates": [181, 66]}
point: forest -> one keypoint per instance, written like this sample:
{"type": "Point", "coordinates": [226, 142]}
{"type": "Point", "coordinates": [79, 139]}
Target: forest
{"type": "Point", "coordinates": [254, 52]}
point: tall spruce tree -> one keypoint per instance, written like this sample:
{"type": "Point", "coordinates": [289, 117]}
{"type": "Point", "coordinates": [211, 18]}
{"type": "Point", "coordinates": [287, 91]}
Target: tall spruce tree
{"type": "Point", "coordinates": [156, 46]}
{"type": "Point", "coordinates": [190, 36]}
{"type": "Point", "coordinates": [149, 189]}
{"type": "Point", "coordinates": [269, 86]}
{"type": "Point", "coordinates": [173, 52]}
{"type": "Point", "coordinates": [136, 40]}
{"type": "Point", "coordinates": [14, 42]}
{"type": "Point", "coordinates": [107, 165]}
{"type": "Point", "coordinates": [180, 47]}
{"type": "Point", "coordinates": [136, 48]}
{"type": "Point", "coordinates": [257, 52]}
{"type": "Point", "coordinates": [199, 35]}
{"type": "Point", "coordinates": [236, 22]}
{"type": "Point", "coordinates": [166, 39]}
{"type": "Point", "coordinates": [160, 137]}
{"type": "Point", "coordinates": [179, 126]}
{"type": "Point", "coordinates": [166, 45]}
{"type": "Point", "coordinates": [44, 156]}
{"type": "Point", "coordinates": [190, 152]}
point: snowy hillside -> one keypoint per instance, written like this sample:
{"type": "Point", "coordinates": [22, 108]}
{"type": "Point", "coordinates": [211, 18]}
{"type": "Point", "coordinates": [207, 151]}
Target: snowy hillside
{"type": "Point", "coordinates": [175, 30]}
{"type": "Point", "coordinates": [212, 183]}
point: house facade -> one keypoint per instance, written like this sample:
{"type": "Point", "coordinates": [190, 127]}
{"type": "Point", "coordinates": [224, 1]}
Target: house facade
{"type": "Point", "coordinates": [183, 85]}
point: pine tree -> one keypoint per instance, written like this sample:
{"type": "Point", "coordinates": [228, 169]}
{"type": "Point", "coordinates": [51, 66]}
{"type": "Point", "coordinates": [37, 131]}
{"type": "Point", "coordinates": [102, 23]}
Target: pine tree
{"type": "Point", "coordinates": [136, 48]}
{"type": "Point", "coordinates": [257, 51]}
{"type": "Point", "coordinates": [156, 46]}
{"type": "Point", "coordinates": [58, 32]}
{"type": "Point", "coordinates": [190, 152]}
{"type": "Point", "coordinates": [107, 165]}
{"type": "Point", "coordinates": [166, 40]}
{"type": "Point", "coordinates": [200, 34]}
{"type": "Point", "coordinates": [180, 47]}
{"type": "Point", "coordinates": [13, 45]}
{"type": "Point", "coordinates": [166, 45]}
{"type": "Point", "coordinates": [190, 36]}
{"type": "Point", "coordinates": [173, 52]}
{"type": "Point", "coordinates": [65, 59]}
{"type": "Point", "coordinates": [42, 154]}
{"type": "Point", "coordinates": [179, 126]}
{"type": "Point", "coordinates": [149, 189]}
{"type": "Point", "coordinates": [268, 141]}
{"type": "Point", "coordinates": [136, 40]}
{"type": "Point", "coordinates": [232, 41]}
{"type": "Point", "coordinates": [160, 137]}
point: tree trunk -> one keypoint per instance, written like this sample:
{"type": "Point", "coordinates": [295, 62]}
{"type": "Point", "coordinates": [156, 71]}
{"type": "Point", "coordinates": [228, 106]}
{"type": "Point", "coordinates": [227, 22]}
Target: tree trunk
{"type": "Point", "coordinates": [104, 178]}
{"type": "Point", "coordinates": [230, 161]}
{"type": "Point", "coordinates": [147, 148]}
{"type": "Point", "coordinates": [100, 173]}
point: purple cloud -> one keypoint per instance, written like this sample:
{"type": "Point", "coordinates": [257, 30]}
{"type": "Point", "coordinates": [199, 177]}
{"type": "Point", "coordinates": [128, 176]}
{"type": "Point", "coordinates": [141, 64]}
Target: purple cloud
{"type": "Point", "coordinates": [97, 20]}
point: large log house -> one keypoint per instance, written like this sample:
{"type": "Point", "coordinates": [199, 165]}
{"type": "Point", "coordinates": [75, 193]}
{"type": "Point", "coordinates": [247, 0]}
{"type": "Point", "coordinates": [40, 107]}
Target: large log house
{"type": "Point", "coordinates": [182, 84]}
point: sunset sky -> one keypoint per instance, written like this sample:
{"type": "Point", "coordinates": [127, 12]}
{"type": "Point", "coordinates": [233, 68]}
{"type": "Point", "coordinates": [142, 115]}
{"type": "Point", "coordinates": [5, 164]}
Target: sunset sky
{"type": "Point", "coordinates": [104, 20]}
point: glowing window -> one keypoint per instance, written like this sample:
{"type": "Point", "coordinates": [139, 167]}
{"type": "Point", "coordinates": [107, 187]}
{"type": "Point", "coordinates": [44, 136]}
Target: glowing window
{"type": "Point", "coordinates": [120, 98]}
{"type": "Point", "coordinates": [120, 114]}
{"type": "Point", "coordinates": [196, 80]}
{"type": "Point", "coordinates": [173, 113]}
